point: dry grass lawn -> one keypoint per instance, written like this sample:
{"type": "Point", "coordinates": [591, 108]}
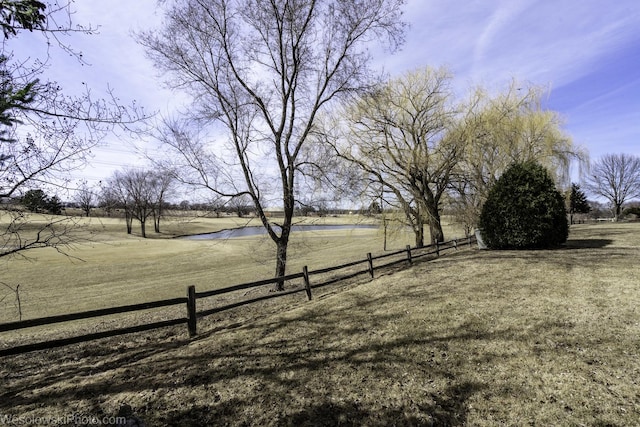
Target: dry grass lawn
{"type": "Point", "coordinates": [478, 338]}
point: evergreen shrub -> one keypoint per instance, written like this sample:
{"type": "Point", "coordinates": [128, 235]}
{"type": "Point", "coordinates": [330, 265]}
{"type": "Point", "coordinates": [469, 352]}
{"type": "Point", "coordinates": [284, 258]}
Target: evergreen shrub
{"type": "Point", "coordinates": [524, 210]}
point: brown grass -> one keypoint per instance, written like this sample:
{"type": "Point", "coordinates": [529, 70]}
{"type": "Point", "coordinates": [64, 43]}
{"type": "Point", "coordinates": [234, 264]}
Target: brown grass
{"type": "Point", "coordinates": [476, 338]}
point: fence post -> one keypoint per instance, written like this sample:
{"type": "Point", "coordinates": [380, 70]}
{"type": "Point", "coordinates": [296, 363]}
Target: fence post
{"type": "Point", "coordinates": [437, 248]}
{"type": "Point", "coordinates": [191, 310]}
{"type": "Point", "coordinates": [409, 254]}
{"type": "Point", "coordinates": [455, 244]}
{"type": "Point", "coordinates": [307, 284]}
{"type": "Point", "coordinates": [370, 259]}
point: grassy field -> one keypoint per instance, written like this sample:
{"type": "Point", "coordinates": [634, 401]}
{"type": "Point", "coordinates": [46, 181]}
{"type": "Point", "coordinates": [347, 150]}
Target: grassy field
{"type": "Point", "coordinates": [112, 268]}
{"type": "Point", "coordinates": [478, 338]}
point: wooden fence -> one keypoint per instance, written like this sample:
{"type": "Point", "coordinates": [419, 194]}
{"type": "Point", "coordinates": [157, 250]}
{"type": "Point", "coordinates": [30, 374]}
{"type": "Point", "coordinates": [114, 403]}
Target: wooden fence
{"type": "Point", "coordinates": [407, 255]}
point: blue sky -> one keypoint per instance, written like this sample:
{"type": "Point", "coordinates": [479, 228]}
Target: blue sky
{"type": "Point", "coordinates": [587, 52]}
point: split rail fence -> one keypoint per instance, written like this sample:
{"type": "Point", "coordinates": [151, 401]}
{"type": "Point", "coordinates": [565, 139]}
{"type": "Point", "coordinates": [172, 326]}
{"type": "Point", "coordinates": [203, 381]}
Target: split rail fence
{"type": "Point", "coordinates": [407, 255]}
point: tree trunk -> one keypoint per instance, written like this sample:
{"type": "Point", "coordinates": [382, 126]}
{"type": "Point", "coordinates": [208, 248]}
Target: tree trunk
{"type": "Point", "coordinates": [143, 226]}
{"type": "Point", "coordinates": [618, 212]}
{"type": "Point", "coordinates": [435, 229]}
{"type": "Point", "coordinates": [435, 226]}
{"type": "Point", "coordinates": [419, 234]}
{"type": "Point", "coordinates": [283, 242]}
{"type": "Point", "coordinates": [128, 218]}
{"type": "Point", "coordinates": [281, 262]}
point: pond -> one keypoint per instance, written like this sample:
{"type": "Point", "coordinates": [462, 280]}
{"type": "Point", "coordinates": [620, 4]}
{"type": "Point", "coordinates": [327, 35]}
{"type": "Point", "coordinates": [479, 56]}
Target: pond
{"type": "Point", "coordinates": [259, 230]}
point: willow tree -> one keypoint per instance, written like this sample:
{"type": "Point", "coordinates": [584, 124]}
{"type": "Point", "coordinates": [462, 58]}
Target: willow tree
{"type": "Point", "coordinates": [264, 69]}
{"type": "Point", "coordinates": [501, 130]}
{"type": "Point", "coordinates": [397, 134]}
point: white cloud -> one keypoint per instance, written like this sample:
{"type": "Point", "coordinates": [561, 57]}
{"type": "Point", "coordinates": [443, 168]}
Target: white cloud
{"type": "Point", "coordinates": [493, 31]}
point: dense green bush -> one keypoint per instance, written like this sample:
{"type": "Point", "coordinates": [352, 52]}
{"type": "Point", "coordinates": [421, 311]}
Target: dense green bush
{"type": "Point", "coordinates": [524, 210]}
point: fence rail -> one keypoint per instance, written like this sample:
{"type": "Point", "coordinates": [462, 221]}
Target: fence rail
{"type": "Point", "coordinates": [409, 255]}
{"type": "Point", "coordinates": [89, 314]}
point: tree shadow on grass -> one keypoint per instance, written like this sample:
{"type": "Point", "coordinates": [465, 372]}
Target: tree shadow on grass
{"type": "Point", "coordinates": [575, 251]}
{"type": "Point", "coordinates": [445, 409]}
{"type": "Point", "coordinates": [587, 243]}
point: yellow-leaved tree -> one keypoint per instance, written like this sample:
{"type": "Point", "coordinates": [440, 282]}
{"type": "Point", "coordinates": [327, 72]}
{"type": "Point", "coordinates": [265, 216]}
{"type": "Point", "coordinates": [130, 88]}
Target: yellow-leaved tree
{"type": "Point", "coordinates": [397, 135]}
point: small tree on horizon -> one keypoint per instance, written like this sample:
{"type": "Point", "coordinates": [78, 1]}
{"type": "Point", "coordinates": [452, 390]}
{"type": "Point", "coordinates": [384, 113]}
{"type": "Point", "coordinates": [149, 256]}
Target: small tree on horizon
{"type": "Point", "coordinates": [34, 200]}
{"type": "Point", "coordinates": [53, 205]}
{"type": "Point", "coordinates": [577, 202]}
{"type": "Point", "coordinates": [85, 198]}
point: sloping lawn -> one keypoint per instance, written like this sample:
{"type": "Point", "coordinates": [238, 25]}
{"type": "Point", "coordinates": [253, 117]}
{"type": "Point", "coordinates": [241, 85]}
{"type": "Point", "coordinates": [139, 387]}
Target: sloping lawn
{"type": "Point", "coordinates": [477, 338]}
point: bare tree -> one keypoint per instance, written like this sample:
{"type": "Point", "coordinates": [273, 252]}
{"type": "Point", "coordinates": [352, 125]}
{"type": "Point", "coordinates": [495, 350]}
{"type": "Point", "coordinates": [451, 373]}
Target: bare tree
{"type": "Point", "coordinates": [160, 186]}
{"type": "Point", "coordinates": [264, 69]}
{"type": "Point", "coordinates": [115, 195]}
{"type": "Point", "coordinates": [616, 177]}
{"type": "Point", "coordinates": [140, 193]}
{"type": "Point", "coordinates": [85, 197]}
{"type": "Point", "coordinates": [241, 205]}
{"type": "Point", "coordinates": [139, 187]}
{"type": "Point", "coordinates": [397, 134]}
